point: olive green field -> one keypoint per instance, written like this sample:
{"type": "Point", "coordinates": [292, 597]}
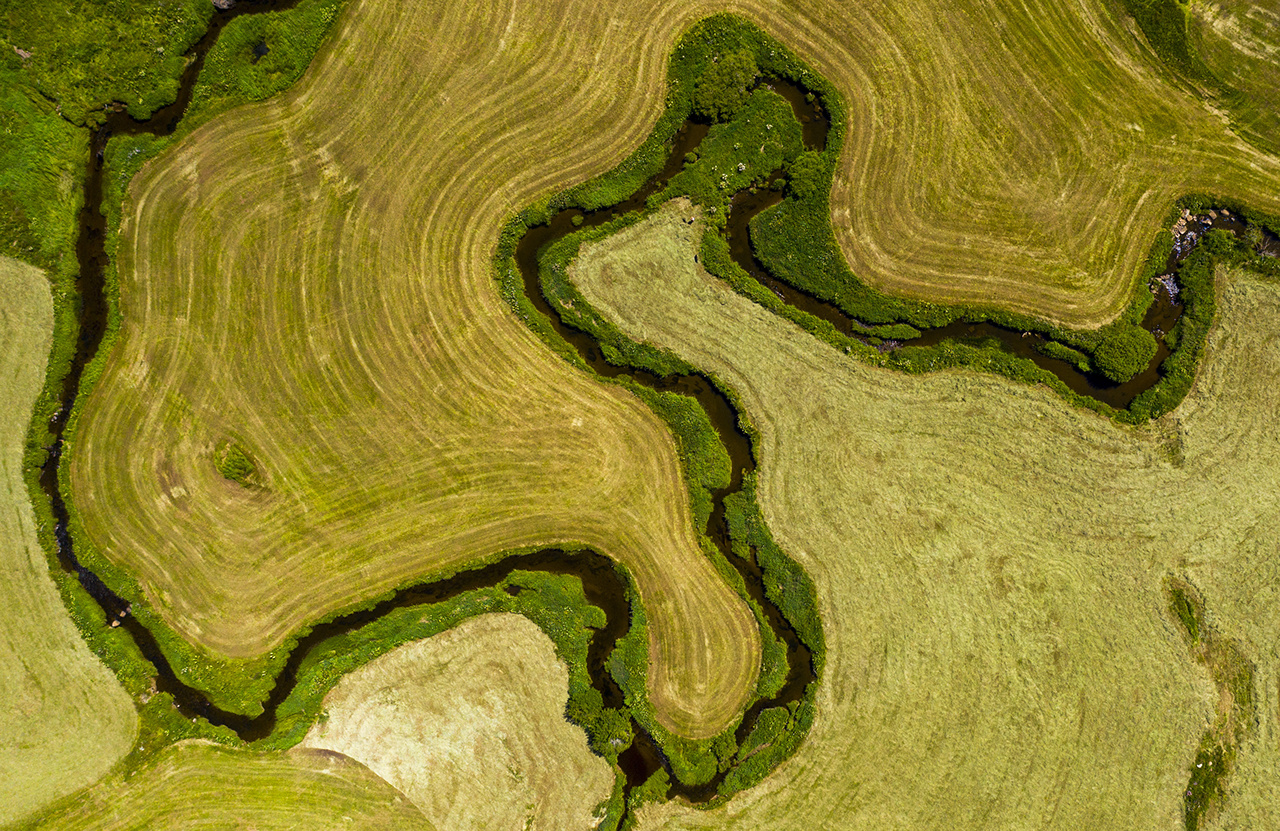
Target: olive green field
{"type": "Point", "coordinates": [66, 720]}
{"type": "Point", "coordinates": [320, 386]}
{"type": "Point", "coordinates": [989, 564]}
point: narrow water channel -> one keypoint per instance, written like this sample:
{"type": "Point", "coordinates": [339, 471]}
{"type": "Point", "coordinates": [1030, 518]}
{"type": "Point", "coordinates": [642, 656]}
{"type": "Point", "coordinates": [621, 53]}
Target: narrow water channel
{"type": "Point", "coordinates": [643, 759]}
{"type": "Point", "coordinates": [1159, 319]}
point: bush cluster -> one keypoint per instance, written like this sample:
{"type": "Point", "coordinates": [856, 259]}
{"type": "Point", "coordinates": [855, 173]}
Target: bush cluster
{"type": "Point", "coordinates": [722, 89]}
{"type": "Point", "coordinates": [234, 464]}
{"type": "Point", "coordinates": [1124, 353]}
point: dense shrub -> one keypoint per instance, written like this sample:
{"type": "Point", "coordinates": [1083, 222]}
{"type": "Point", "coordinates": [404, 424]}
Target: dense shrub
{"type": "Point", "coordinates": [1125, 353]}
{"type": "Point", "coordinates": [1075, 357]}
{"type": "Point", "coordinates": [806, 178]}
{"type": "Point", "coordinates": [722, 89]}
{"type": "Point", "coordinates": [1164, 22]}
{"type": "Point", "coordinates": [234, 464]}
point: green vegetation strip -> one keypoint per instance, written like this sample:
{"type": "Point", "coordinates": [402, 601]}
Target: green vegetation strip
{"type": "Point", "coordinates": [1235, 715]}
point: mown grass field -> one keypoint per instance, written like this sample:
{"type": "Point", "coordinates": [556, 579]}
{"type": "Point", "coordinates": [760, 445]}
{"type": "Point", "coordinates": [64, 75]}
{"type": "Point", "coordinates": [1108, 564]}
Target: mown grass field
{"type": "Point", "coordinates": [193, 785]}
{"type": "Point", "coordinates": [306, 279]}
{"type": "Point", "coordinates": [989, 565]}
{"type": "Point", "coordinates": [309, 280]}
{"type": "Point", "coordinates": [65, 720]}
{"type": "Point", "coordinates": [1237, 42]}
{"type": "Point", "coordinates": [470, 726]}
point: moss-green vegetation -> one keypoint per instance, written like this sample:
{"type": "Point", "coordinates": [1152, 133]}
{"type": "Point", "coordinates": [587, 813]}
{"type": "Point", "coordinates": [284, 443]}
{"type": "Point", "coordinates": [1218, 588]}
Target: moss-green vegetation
{"type": "Point", "coordinates": [1125, 353]}
{"type": "Point", "coordinates": [761, 137]}
{"type": "Point", "coordinates": [235, 464]}
{"type": "Point", "coordinates": [234, 74]}
{"type": "Point", "coordinates": [1235, 714]}
{"type": "Point", "coordinates": [1062, 352]}
{"type": "Point", "coordinates": [722, 88]}
{"type": "Point", "coordinates": [1164, 23]}
{"type": "Point", "coordinates": [84, 56]}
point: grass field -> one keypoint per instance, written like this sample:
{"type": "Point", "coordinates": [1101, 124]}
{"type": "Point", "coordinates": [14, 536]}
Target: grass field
{"type": "Point", "coordinates": [309, 280]}
{"type": "Point", "coordinates": [65, 719]}
{"type": "Point", "coordinates": [327, 307]}
{"type": "Point", "coordinates": [191, 785]}
{"type": "Point", "coordinates": [1237, 42]}
{"type": "Point", "coordinates": [989, 565]}
{"type": "Point", "coordinates": [470, 726]}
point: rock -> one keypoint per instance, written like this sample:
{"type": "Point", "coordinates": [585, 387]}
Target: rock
{"type": "Point", "coordinates": [223, 5]}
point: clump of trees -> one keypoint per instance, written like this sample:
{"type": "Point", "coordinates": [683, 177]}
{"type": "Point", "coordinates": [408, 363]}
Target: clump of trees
{"type": "Point", "coordinates": [722, 89]}
{"type": "Point", "coordinates": [807, 177]}
{"type": "Point", "coordinates": [235, 464]}
{"type": "Point", "coordinates": [1124, 353]}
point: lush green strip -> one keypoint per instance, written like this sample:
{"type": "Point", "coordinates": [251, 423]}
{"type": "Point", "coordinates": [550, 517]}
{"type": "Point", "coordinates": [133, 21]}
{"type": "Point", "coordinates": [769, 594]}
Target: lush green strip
{"type": "Point", "coordinates": [761, 119]}
{"type": "Point", "coordinates": [1062, 352]}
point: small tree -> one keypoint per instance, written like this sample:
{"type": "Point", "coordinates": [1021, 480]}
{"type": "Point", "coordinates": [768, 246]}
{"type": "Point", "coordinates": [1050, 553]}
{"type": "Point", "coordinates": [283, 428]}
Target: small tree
{"type": "Point", "coordinates": [1125, 353]}
{"type": "Point", "coordinates": [804, 179]}
{"type": "Point", "coordinates": [722, 89]}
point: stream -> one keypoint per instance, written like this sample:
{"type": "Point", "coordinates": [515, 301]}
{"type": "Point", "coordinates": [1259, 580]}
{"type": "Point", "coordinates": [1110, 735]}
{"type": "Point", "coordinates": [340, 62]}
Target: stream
{"type": "Point", "coordinates": [604, 586]}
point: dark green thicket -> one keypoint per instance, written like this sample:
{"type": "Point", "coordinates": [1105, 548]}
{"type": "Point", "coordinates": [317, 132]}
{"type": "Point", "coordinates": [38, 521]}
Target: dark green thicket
{"type": "Point", "coordinates": [722, 89]}
{"type": "Point", "coordinates": [233, 74]}
{"type": "Point", "coordinates": [762, 136]}
{"type": "Point", "coordinates": [1164, 23]}
{"type": "Point", "coordinates": [1062, 352]}
{"type": "Point", "coordinates": [235, 464]}
{"type": "Point", "coordinates": [1124, 353]}
{"type": "Point", "coordinates": [1233, 674]}
{"type": "Point", "coordinates": [1187, 611]}
{"type": "Point", "coordinates": [84, 56]}
{"type": "Point", "coordinates": [1208, 781]}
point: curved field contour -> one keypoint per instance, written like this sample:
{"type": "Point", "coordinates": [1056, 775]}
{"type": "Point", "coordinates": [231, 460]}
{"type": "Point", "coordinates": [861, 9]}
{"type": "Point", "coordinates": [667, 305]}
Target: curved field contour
{"type": "Point", "coordinates": [999, 652]}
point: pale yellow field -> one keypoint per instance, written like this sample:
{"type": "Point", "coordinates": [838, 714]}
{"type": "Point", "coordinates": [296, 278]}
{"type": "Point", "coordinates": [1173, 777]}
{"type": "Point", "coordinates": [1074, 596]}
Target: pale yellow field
{"type": "Point", "coordinates": [470, 726]}
{"type": "Point", "coordinates": [311, 278]}
{"type": "Point", "coordinates": [199, 786]}
{"type": "Point", "coordinates": [64, 719]}
{"type": "Point", "coordinates": [989, 565]}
